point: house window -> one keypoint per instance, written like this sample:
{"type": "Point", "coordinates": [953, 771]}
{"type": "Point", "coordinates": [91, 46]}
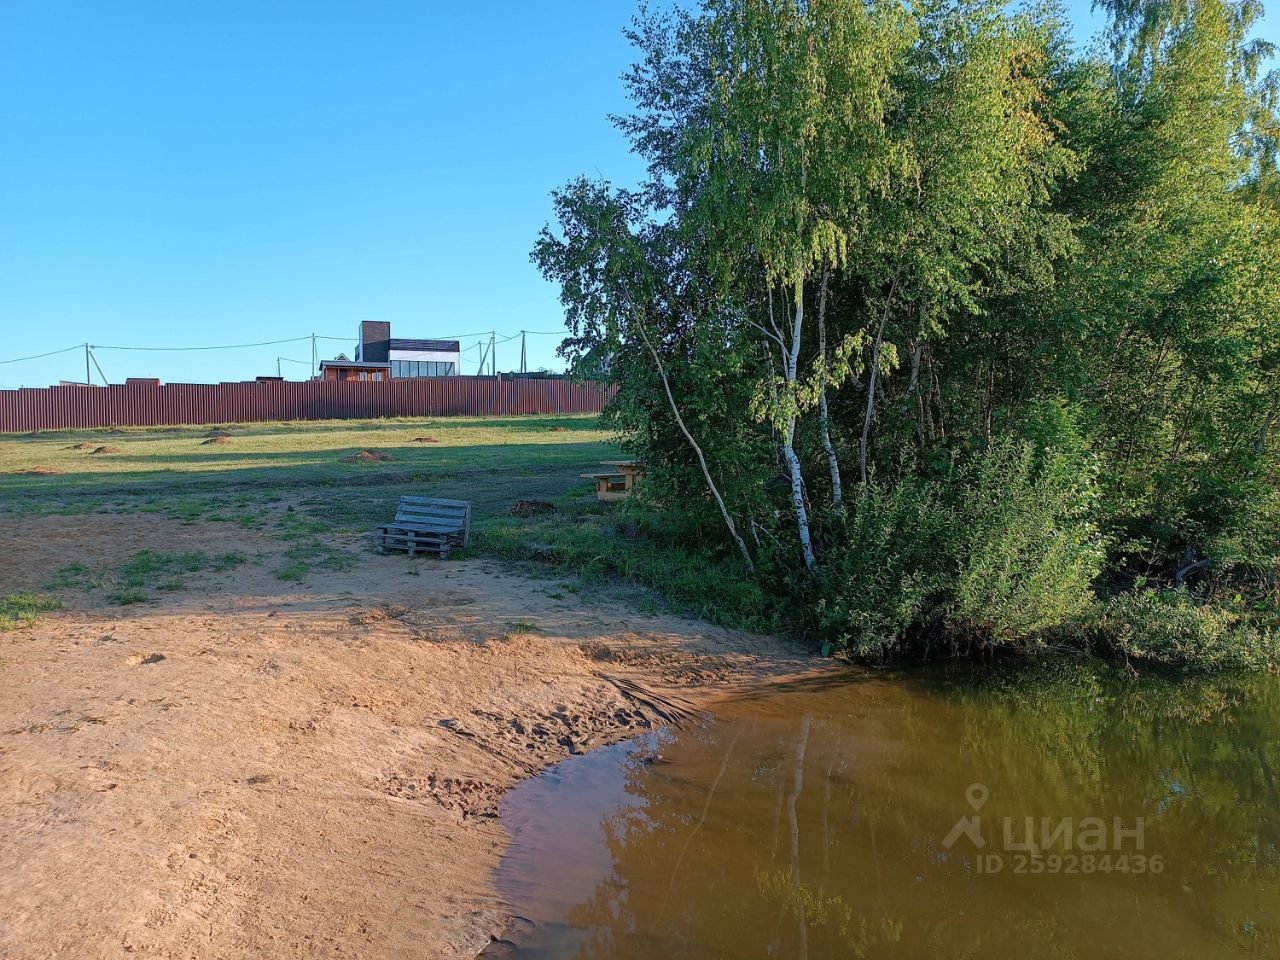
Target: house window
{"type": "Point", "coordinates": [422, 368]}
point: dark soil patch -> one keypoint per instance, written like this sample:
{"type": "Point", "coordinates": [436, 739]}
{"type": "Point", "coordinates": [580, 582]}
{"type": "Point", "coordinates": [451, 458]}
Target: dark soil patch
{"type": "Point", "coordinates": [559, 429]}
{"type": "Point", "coordinates": [368, 456]}
{"type": "Point", "coordinates": [83, 446]}
{"type": "Point", "coordinates": [532, 508]}
{"type": "Point", "coordinates": [425, 440]}
{"type": "Point", "coordinates": [39, 471]}
{"type": "Point", "coordinates": [107, 450]}
{"type": "Point", "coordinates": [219, 438]}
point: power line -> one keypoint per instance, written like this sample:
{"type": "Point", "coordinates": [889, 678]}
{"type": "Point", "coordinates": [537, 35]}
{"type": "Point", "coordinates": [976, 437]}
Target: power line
{"type": "Point", "coordinates": [225, 346]}
{"type": "Point", "coordinates": [51, 353]}
{"type": "Point", "coordinates": [468, 336]}
{"type": "Point", "coordinates": [270, 343]}
{"type": "Point", "coordinates": [451, 336]}
{"type": "Point", "coordinates": [462, 336]}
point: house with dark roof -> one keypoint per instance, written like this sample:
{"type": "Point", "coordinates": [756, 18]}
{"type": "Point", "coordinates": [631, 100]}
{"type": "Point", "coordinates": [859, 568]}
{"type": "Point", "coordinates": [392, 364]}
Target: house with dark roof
{"type": "Point", "coordinates": [406, 357]}
{"type": "Point", "coordinates": [344, 369]}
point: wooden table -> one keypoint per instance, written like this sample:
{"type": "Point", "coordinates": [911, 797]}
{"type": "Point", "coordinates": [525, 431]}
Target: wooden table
{"type": "Point", "coordinates": [616, 484]}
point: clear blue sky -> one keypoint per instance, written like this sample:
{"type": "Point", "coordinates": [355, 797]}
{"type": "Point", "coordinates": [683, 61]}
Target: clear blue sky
{"type": "Point", "coordinates": [179, 174]}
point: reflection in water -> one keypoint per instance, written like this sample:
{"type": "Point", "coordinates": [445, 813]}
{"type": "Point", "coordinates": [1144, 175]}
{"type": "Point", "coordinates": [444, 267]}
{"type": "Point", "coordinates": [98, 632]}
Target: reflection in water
{"type": "Point", "coordinates": [889, 818]}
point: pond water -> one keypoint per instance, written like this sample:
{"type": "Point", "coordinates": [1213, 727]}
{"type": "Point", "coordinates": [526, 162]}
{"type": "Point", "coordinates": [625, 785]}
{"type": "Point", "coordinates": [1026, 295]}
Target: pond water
{"type": "Point", "coordinates": [1068, 812]}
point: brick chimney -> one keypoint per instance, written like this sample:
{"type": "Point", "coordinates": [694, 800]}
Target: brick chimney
{"type": "Point", "coordinates": [375, 342]}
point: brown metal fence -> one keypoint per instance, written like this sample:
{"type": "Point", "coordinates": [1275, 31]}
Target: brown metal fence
{"type": "Point", "coordinates": [147, 405]}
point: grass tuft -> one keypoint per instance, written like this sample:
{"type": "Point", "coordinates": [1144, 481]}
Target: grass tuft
{"type": "Point", "coordinates": [293, 572]}
{"type": "Point", "coordinates": [126, 597]}
{"type": "Point", "coordinates": [24, 609]}
{"type": "Point", "coordinates": [523, 626]}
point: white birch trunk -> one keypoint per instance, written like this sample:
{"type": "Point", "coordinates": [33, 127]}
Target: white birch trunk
{"type": "Point", "coordinates": [791, 358]}
{"type": "Point", "coordinates": [824, 419]}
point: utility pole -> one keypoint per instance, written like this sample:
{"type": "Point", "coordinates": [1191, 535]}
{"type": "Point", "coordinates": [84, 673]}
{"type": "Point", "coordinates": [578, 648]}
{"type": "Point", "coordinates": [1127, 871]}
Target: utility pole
{"type": "Point", "coordinates": [523, 366]}
{"type": "Point", "coordinates": [493, 353]}
{"type": "Point", "coordinates": [278, 373]}
{"type": "Point", "coordinates": [315, 357]}
{"type": "Point", "coordinates": [87, 380]}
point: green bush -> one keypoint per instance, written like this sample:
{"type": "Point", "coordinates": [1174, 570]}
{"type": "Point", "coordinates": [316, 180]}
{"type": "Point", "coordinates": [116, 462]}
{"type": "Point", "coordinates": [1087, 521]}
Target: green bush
{"type": "Point", "coordinates": [890, 572]}
{"type": "Point", "coordinates": [1004, 548]}
{"type": "Point", "coordinates": [1172, 628]}
{"type": "Point", "coordinates": [1028, 549]}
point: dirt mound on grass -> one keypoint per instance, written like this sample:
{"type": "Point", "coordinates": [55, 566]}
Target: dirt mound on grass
{"type": "Point", "coordinates": [107, 450]}
{"type": "Point", "coordinates": [532, 508]}
{"type": "Point", "coordinates": [39, 471]}
{"type": "Point", "coordinates": [559, 429]}
{"type": "Point", "coordinates": [425, 440]}
{"type": "Point", "coordinates": [82, 446]}
{"type": "Point", "coordinates": [214, 434]}
{"type": "Point", "coordinates": [217, 438]}
{"type": "Point", "coordinates": [368, 456]}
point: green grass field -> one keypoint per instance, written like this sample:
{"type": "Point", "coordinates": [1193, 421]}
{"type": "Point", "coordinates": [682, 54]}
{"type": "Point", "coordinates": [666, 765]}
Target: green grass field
{"type": "Point", "coordinates": [173, 469]}
{"type": "Point", "coordinates": [293, 480]}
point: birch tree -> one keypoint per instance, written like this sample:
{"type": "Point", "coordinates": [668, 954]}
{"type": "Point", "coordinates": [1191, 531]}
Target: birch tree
{"type": "Point", "coordinates": [790, 157]}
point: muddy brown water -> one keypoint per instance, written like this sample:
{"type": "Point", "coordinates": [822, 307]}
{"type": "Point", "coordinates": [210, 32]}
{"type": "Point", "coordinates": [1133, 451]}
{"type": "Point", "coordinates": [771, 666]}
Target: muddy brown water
{"type": "Point", "coordinates": [1065, 812]}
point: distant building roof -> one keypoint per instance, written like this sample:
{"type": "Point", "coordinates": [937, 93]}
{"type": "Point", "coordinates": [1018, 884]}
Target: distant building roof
{"type": "Point", "coordinates": [353, 365]}
{"type": "Point", "coordinates": [425, 346]}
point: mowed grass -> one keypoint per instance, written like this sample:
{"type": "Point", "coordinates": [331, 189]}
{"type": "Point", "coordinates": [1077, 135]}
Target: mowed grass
{"type": "Point", "coordinates": [258, 457]}
{"type": "Point", "coordinates": [294, 481]}
{"type": "Point", "coordinates": [490, 461]}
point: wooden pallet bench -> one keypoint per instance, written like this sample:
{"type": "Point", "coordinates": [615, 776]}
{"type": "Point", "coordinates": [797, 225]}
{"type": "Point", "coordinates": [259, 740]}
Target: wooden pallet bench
{"type": "Point", "coordinates": [427, 525]}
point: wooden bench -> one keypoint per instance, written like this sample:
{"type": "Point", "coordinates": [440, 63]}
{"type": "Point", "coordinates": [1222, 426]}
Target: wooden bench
{"type": "Point", "coordinates": [427, 525]}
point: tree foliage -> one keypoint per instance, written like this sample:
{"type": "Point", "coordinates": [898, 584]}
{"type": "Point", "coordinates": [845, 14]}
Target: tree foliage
{"type": "Point", "coordinates": [1026, 298]}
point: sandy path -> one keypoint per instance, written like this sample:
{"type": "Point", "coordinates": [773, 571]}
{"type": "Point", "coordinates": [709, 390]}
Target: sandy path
{"type": "Point", "coordinates": [251, 769]}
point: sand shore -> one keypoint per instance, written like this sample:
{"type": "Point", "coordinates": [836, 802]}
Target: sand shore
{"type": "Point", "coordinates": [251, 768]}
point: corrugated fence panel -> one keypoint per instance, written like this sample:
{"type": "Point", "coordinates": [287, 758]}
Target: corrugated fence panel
{"type": "Point", "coordinates": [154, 405]}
